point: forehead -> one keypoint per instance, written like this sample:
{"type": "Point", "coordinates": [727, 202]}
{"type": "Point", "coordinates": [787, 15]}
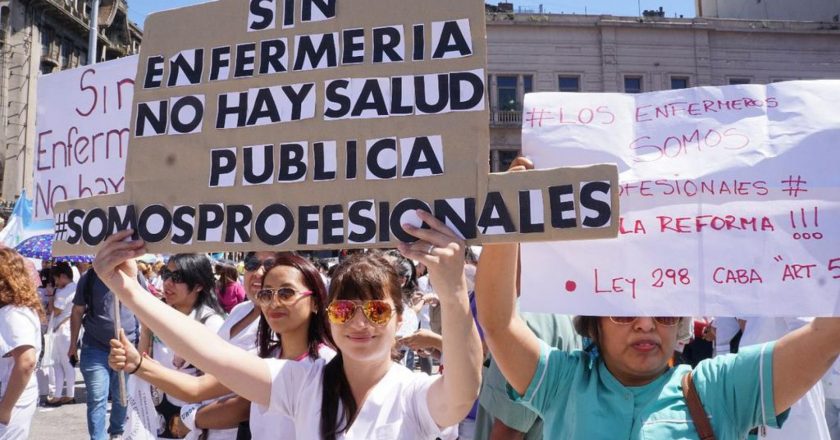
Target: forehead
{"type": "Point", "coordinates": [279, 275]}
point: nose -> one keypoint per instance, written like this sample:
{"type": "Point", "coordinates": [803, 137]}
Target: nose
{"type": "Point", "coordinates": [359, 320]}
{"type": "Point", "coordinates": [644, 324]}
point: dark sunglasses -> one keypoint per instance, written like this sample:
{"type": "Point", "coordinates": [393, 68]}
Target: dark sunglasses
{"type": "Point", "coordinates": [177, 276]}
{"type": "Point", "coordinates": [253, 264]}
{"type": "Point", "coordinates": [285, 295]}
{"type": "Point", "coordinates": [341, 311]}
{"type": "Point", "coordinates": [668, 321]}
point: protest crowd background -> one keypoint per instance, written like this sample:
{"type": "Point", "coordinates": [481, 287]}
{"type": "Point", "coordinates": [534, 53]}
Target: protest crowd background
{"type": "Point", "coordinates": [429, 300]}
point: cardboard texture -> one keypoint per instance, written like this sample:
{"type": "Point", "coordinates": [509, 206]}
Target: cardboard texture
{"type": "Point", "coordinates": [202, 61]}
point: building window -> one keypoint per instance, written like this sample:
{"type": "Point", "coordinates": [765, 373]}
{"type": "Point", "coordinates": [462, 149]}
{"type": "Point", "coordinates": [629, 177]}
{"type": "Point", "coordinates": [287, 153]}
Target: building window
{"type": "Point", "coordinates": [46, 43]}
{"type": "Point", "coordinates": [736, 81]}
{"type": "Point", "coordinates": [632, 84]}
{"type": "Point", "coordinates": [679, 82]}
{"type": "Point", "coordinates": [506, 93]}
{"type": "Point", "coordinates": [65, 56]}
{"type": "Point", "coordinates": [528, 83]}
{"type": "Point", "coordinates": [82, 57]}
{"type": "Point", "coordinates": [568, 83]}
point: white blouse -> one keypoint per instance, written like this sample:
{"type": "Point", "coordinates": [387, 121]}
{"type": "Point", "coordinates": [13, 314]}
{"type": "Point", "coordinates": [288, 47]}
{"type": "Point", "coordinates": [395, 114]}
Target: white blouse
{"type": "Point", "coordinates": [19, 327]}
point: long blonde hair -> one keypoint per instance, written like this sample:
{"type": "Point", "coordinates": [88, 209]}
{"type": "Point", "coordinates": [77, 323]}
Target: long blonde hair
{"type": "Point", "coordinates": [16, 286]}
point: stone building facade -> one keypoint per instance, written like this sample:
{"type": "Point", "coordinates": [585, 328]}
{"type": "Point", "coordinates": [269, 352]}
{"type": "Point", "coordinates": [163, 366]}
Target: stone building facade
{"type": "Point", "coordinates": [579, 53]}
{"type": "Point", "coordinates": [40, 37]}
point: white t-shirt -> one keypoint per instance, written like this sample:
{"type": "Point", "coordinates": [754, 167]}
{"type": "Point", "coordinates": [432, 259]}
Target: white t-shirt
{"type": "Point", "coordinates": [396, 407]}
{"type": "Point", "coordinates": [64, 301]}
{"type": "Point", "coordinates": [267, 424]}
{"type": "Point", "coordinates": [19, 327]}
{"type": "Point", "coordinates": [246, 339]}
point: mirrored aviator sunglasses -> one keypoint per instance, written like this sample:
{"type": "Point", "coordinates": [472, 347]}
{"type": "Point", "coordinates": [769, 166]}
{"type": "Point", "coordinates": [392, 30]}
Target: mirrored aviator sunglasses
{"type": "Point", "coordinates": [341, 311]}
{"type": "Point", "coordinates": [668, 321]}
{"type": "Point", "coordinates": [253, 263]}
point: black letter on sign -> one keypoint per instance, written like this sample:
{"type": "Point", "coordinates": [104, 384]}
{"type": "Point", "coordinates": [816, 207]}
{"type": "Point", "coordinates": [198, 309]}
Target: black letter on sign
{"type": "Point", "coordinates": [87, 236]}
{"type": "Point", "coordinates": [401, 208]}
{"type": "Point", "coordinates": [306, 51]}
{"type": "Point", "coordinates": [331, 223]}
{"type": "Point", "coordinates": [466, 226]}
{"type": "Point", "coordinates": [455, 80]}
{"type": "Point", "coordinates": [179, 221]}
{"type": "Point", "coordinates": [154, 67]}
{"type": "Point", "coordinates": [244, 60]}
{"type": "Point", "coordinates": [266, 14]}
{"type": "Point", "coordinates": [198, 114]}
{"type": "Point", "coordinates": [419, 42]}
{"type": "Point", "coordinates": [209, 217]}
{"type": "Point", "coordinates": [74, 220]}
{"type": "Point", "coordinates": [495, 203]}
{"type": "Point", "coordinates": [297, 98]}
{"type": "Point", "coordinates": [264, 107]}
{"type": "Point", "coordinates": [240, 110]}
{"type": "Point", "coordinates": [602, 208]}
{"type": "Point", "coordinates": [422, 157]}
{"type": "Point", "coordinates": [145, 115]}
{"type": "Point", "coordinates": [370, 98]}
{"type": "Point", "coordinates": [271, 55]}
{"type": "Point", "coordinates": [421, 95]}
{"type": "Point", "coordinates": [292, 166]}
{"type": "Point", "coordinates": [526, 223]}
{"type": "Point", "coordinates": [288, 14]}
{"type": "Point", "coordinates": [220, 58]}
{"type": "Point", "coordinates": [355, 217]}
{"type": "Point", "coordinates": [327, 8]}
{"type": "Point", "coordinates": [351, 46]}
{"type": "Point", "coordinates": [262, 227]}
{"type": "Point", "coordinates": [320, 163]}
{"type": "Point", "coordinates": [558, 207]}
{"type": "Point", "coordinates": [238, 222]}
{"type": "Point", "coordinates": [383, 48]}
{"type": "Point", "coordinates": [305, 224]}
{"type": "Point", "coordinates": [182, 65]}
{"type": "Point", "coordinates": [451, 32]}
{"type": "Point", "coordinates": [143, 223]}
{"type": "Point", "coordinates": [384, 214]}
{"type": "Point", "coordinates": [351, 160]}
{"type": "Point", "coordinates": [373, 156]}
{"type": "Point", "coordinates": [116, 224]}
{"type": "Point", "coordinates": [334, 96]}
{"type": "Point", "coordinates": [397, 96]}
{"type": "Point", "coordinates": [222, 161]}
{"type": "Point", "coordinates": [267, 169]}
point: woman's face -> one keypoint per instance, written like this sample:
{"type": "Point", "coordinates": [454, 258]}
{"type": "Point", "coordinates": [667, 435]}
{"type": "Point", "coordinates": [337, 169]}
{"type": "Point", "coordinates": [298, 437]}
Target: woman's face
{"type": "Point", "coordinates": [637, 353]}
{"type": "Point", "coordinates": [363, 341]}
{"type": "Point", "coordinates": [253, 278]}
{"type": "Point", "coordinates": [294, 313]}
{"type": "Point", "coordinates": [179, 295]}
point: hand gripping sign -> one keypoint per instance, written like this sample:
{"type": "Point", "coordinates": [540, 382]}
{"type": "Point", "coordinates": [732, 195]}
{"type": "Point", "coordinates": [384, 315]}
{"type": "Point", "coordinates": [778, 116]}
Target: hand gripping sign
{"type": "Point", "coordinates": [307, 124]}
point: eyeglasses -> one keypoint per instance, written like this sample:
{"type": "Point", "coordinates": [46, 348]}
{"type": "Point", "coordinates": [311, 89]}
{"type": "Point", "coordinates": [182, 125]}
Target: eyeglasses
{"type": "Point", "coordinates": [177, 276]}
{"type": "Point", "coordinates": [284, 294]}
{"type": "Point", "coordinates": [341, 311]}
{"type": "Point", "coordinates": [253, 263]}
{"type": "Point", "coordinates": [667, 321]}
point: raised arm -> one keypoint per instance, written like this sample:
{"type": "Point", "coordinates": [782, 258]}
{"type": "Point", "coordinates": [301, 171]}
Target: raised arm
{"type": "Point", "coordinates": [453, 394]}
{"type": "Point", "coordinates": [801, 358]}
{"type": "Point", "coordinates": [223, 413]}
{"type": "Point", "coordinates": [243, 373]}
{"type": "Point", "coordinates": [182, 386]}
{"type": "Point", "coordinates": [24, 359]}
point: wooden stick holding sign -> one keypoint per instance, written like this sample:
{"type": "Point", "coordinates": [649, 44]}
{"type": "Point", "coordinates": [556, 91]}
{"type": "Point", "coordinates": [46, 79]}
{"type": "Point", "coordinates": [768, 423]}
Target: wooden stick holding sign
{"type": "Point", "coordinates": [120, 374]}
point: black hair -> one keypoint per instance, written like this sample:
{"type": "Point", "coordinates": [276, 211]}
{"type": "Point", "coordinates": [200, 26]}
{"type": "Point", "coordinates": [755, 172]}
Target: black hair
{"type": "Point", "coordinates": [61, 268]}
{"type": "Point", "coordinates": [197, 270]}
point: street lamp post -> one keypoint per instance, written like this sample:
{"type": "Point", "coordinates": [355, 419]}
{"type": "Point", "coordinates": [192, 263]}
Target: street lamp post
{"type": "Point", "coordinates": [94, 32]}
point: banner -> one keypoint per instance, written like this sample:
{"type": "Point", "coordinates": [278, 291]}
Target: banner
{"type": "Point", "coordinates": [730, 201]}
{"type": "Point", "coordinates": [310, 124]}
{"type": "Point", "coordinates": [82, 133]}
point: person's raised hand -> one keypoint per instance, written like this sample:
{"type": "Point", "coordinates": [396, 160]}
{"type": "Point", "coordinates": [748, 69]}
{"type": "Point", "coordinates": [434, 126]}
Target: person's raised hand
{"type": "Point", "coordinates": [521, 163]}
{"type": "Point", "coordinates": [123, 356]}
{"type": "Point", "coordinates": [441, 250]}
{"type": "Point", "coordinates": [114, 263]}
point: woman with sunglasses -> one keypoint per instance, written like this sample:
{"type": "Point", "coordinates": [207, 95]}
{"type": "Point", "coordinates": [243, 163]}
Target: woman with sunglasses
{"type": "Point", "coordinates": [627, 390]}
{"type": "Point", "coordinates": [289, 297]}
{"type": "Point", "coordinates": [361, 393]}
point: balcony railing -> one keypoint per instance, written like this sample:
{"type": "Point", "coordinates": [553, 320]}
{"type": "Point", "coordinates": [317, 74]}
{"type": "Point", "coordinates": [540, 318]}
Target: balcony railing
{"type": "Point", "coordinates": [505, 118]}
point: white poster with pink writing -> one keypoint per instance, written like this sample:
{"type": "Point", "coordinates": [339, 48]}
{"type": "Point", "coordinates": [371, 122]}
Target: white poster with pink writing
{"type": "Point", "coordinates": [730, 201]}
{"type": "Point", "coordinates": [82, 132]}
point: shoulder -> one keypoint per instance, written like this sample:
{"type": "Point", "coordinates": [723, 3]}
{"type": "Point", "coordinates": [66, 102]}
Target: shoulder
{"type": "Point", "coordinates": [16, 316]}
{"type": "Point", "coordinates": [240, 310]}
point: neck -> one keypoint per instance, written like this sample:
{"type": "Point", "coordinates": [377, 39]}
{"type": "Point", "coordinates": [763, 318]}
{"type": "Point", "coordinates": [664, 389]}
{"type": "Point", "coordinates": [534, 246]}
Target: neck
{"type": "Point", "coordinates": [295, 343]}
{"type": "Point", "coordinates": [184, 308]}
{"type": "Point", "coordinates": [364, 375]}
{"type": "Point", "coordinates": [630, 380]}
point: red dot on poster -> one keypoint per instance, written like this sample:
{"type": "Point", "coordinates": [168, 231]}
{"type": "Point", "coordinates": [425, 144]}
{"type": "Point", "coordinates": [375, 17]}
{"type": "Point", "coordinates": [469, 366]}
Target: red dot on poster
{"type": "Point", "coordinates": [571, 286]}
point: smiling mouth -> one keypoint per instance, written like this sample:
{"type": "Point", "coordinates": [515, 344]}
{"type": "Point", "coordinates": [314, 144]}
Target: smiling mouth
{"type": "Point", "coordinates": [360, 338]}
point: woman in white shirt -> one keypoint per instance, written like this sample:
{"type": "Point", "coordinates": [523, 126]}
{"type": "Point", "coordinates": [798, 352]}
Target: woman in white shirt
{"type": "Point", "coordinates": [291, 301]}
{"type": "Point", "coordinates": [20, 341]}
{"type": "Point", "coordinates": [63, 372]}
{"type": "Point", "coordinates": [361, 393]}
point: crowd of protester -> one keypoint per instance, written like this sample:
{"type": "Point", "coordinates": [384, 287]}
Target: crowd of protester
{"type": "Point", "coordinates": [424, 341]}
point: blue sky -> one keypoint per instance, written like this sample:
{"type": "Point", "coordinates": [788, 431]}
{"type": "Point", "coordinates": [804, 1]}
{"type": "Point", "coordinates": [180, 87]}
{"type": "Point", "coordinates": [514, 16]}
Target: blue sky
{"type": "Point", "coordinates": [138, 9]}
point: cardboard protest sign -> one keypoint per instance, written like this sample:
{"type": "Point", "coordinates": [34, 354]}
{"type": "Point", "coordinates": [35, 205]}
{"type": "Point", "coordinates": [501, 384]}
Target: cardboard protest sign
{"type": "Point", "coordinates": [82, 133]}
{"type": "Point", "coordinates": [323, 124]}
{"type": "Point", "coordinates": [730, 201]}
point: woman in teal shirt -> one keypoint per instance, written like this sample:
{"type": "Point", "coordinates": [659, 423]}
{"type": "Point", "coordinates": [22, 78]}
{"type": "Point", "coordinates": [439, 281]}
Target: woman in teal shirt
{"type": "Point", "coordinates": [628, 391]}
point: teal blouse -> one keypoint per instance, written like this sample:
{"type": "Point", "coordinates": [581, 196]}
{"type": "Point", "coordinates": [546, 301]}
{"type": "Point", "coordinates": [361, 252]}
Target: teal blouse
{"type": "Point", "coordinates": [578, 398]}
